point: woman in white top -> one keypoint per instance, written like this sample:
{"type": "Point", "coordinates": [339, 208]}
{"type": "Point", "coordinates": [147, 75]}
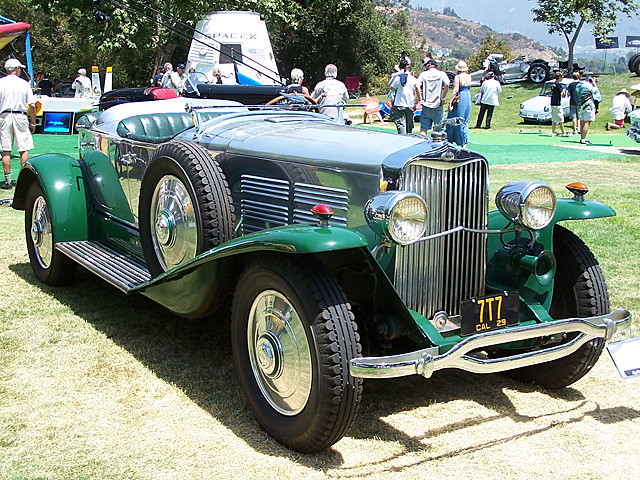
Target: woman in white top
{"type": "Point", "coordinates": [489, 99]}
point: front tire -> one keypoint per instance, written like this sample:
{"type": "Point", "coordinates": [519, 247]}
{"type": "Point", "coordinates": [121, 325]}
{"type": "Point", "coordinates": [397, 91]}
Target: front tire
{"type": "Point", "coordinates": [579, 290]}
{"type": "Point", "coordinates": [293, 335]}
{"type": "Point", "coordinates": [49, 265]}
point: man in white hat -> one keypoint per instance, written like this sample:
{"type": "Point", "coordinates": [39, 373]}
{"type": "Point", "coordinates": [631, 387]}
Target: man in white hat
{"type": "Point", "coordinates": [16, 101]}
{"type": "Point", "coordinates": [620, 106]}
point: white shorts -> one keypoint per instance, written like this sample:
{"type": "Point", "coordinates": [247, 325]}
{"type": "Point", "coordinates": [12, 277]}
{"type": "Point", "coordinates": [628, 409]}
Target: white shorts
{"type": "Point", "coordinates": [15, 126]}
{"type": "Point", "coordinates": [557, 115]}
{"type": "Point", "coordinates": [587, 112]}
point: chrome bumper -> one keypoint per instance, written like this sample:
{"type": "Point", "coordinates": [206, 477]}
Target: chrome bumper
{"type": "Point", "coordinates": [426, 361]}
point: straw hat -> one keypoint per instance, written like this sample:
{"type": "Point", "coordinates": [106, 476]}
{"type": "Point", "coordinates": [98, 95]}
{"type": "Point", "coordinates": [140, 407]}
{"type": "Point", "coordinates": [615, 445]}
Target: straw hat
{"type": "Point", "coordinates": [623, 90]}
{"type": "Point", "coordinates": [462, 66]}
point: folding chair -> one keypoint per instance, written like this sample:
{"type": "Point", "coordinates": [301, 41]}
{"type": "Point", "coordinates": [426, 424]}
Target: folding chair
{"type": "Point", "coordinates": [353, 85]}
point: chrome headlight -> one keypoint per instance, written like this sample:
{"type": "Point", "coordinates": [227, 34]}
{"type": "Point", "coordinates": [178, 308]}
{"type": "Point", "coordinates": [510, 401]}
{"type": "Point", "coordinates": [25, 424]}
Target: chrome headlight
{"type": "Point", "coordinates": [400, 216]}
{"type": "Point", "coordinates": [531, 204]}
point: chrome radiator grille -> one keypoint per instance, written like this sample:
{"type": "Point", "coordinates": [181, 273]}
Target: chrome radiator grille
{"type": "Point", "coordinates": [437, 274]}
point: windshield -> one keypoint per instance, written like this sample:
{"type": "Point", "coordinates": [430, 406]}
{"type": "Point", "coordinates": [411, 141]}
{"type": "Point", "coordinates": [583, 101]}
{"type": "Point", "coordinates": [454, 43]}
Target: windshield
{"type": "Point", "coordinates": [545, 91]}
{"type": "Point", "coordinates": [194, 79]}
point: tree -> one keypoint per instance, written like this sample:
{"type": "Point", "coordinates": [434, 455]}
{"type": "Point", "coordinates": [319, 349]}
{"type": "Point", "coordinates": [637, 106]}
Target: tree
{"type": "Point", "coordinates": [568, 17]}
{"type": "Point", "coordinates": [490, 44]}
{"type": "Point", "coordinates": [308, 34]}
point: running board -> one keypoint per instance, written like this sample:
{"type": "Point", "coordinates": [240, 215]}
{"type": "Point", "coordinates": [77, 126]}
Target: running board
{"type": "Point", "coordinates": [117, 269]}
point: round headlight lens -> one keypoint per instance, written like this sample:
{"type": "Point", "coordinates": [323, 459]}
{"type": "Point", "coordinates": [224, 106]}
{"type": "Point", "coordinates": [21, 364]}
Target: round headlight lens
{"type": "Point", "coordinates": [400, 216]}
{"type": "Point", "coordinates": [408, 220]}
{"type": "Point", "coordinates": [539, 207]}
{"type": "Point", "coordinates": [532, 204]}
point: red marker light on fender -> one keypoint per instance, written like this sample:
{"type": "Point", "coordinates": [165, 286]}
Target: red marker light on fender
{"type": "Point", "coordinates": [323, 213]}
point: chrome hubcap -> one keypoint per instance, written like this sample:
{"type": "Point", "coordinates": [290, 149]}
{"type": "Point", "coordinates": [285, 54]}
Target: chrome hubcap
{"type": "Point", "coordinates": [41, 232]}
{"type": "Point", "coordinates": [279, 353]}
{"type": "Point", "coordinates": [537, 74]}
{"type": "Point", "coordinates": [174, 224]}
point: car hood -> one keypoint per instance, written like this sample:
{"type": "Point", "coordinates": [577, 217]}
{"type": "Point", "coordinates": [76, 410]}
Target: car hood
{"type": "Point", "coordinates": [313, 139]}
{"type": "Point", "coordinates": [537, 103]}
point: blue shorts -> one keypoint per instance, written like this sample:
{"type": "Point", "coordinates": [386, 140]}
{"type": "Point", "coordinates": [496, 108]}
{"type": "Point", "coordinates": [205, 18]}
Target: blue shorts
{"type": "Point", "coordinates": [430, 116]}
{"type": "Point", "coordinates": [573, 111]}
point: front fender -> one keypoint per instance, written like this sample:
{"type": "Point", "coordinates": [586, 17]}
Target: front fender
{"type": "Point", "coordinates": [504, 277]}
{"type": "Point", "coordinates": [566, 209]}
{"type": "Point", "coordinates": [569, 209]}
{"type": "Point", "coordinates": [61, 180]}
{"type": "Point", "coordinates": [193, 288]}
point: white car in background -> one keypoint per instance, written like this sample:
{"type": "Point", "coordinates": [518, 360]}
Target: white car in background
{"type": "Point", "coordinates": [538, 109]}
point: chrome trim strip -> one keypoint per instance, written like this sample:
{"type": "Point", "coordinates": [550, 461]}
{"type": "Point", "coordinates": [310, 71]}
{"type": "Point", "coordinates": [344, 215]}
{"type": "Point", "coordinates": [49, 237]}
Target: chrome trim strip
{"type": "Point", "coordinates": [424, 362]}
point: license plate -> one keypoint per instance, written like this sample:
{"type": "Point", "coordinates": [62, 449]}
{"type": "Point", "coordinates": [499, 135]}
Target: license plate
{"type": "Point", "coordinates": [489, 313]}
{"type": "Point", "coordinates": [626, 356]}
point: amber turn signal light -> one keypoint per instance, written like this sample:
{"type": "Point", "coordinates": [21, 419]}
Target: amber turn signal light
{"type": "Point", "coordinates": [578, 189]}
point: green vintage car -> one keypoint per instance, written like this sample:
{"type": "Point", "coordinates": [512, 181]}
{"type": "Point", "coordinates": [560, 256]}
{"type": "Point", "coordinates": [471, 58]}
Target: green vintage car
{"type": "Point", "coordinates": [344, 253]}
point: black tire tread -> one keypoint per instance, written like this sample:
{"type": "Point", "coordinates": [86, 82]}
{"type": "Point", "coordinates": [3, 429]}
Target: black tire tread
{"type": "Point", "coordinates": [578, 270]}
{"type": "Point", "coordinates": [634, 63]}
{"type": "Point", "coordinates": [337, 342]}
{"type": "Point", "coordinates": [542, 65]}
{"type": "Point", "coordinates": [208, 182]}
{"type": "Point", "coordinates": [631, 60]}
{"type": "Point", "coordinates": [211, 194]}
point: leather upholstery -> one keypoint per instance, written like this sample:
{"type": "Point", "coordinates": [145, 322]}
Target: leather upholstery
{"type": "Point", "coordinates": [157, 127]}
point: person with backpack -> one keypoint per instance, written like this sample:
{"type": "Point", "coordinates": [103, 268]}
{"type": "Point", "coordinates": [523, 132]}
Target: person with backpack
{"type": "Point", "coordinates": [406, 93]}
{"type": "Point", "coordinates": [588, 94]}
{"type": "Point", "coordinates": [573, 102]}
{"type": "Point", "coordinates": [490, 64]}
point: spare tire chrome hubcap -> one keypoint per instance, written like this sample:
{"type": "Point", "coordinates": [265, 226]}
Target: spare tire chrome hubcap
{"type": "Point", "coordinates": [174, 222]}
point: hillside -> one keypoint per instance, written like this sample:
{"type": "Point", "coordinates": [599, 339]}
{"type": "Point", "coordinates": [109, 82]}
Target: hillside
{"type": "Point", "coordinates": [435, 30]}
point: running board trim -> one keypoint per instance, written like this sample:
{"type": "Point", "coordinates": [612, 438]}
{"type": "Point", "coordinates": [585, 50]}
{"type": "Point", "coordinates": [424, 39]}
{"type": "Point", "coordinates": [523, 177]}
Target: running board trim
{"type": "Point", "coordinates": [113, 267]}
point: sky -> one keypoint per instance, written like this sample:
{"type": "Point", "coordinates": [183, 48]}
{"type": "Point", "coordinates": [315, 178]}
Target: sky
{"type": "Point", "coordinates": [517, 17]}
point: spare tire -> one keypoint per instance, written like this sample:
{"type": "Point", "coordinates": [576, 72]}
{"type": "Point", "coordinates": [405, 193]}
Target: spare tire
{"type": "Point", "coordinates": [185, 206]}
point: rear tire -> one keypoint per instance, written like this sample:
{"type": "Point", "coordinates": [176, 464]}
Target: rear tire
{"type": "Point", "coordinates": [579, 290]}
{"type": "Point", "coordinates": [636, 66]}
{"type": "Point", "coordinates": [631, 62]}
{"type": "Point", "coordinates": [293, 335]}
{"type": "Point", "coordinates": [538, 73]}
{"type": "Point", "coordinates": [49, 265]}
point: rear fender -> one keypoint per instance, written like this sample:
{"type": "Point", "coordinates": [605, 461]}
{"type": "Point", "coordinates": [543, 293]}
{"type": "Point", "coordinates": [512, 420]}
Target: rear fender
{"type": "Point", "coordinates": [60, 177]}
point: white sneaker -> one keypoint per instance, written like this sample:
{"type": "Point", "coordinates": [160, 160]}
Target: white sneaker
{"type": "Point", "coordinates": [554, 134]}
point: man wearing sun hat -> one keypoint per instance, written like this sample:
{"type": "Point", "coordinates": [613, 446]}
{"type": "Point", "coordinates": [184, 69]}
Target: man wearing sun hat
{"type": "Point", "coordinates": [16, 101]}
{"type": "Point", "coordinates": [620, 106]}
